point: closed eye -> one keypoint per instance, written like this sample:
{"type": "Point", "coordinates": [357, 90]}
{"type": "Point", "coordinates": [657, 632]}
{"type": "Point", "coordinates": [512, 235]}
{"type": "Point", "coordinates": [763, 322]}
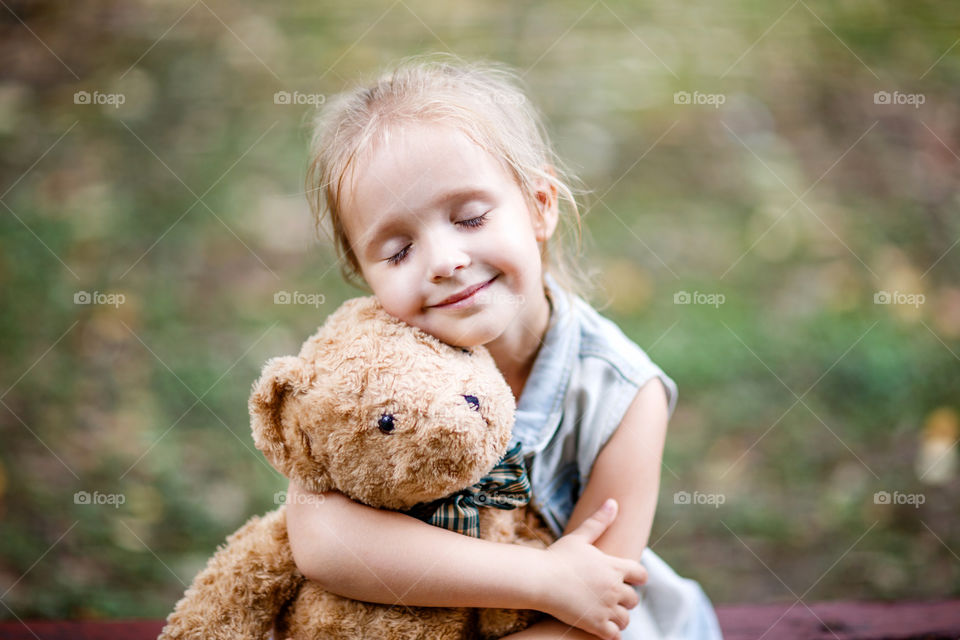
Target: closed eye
{"type": "Point", "coordinates": [474, 222]}
{"type": "Point", "coordinates": [398, 257]}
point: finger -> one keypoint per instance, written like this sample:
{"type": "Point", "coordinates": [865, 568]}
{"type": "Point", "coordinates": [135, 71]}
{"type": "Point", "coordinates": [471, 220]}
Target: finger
{"type": "Point", "coordinates": [594, 526]}
{"type": "Point", "coordinates": [610, 631]}
{"type": "Point", "coordinates": [621, 617]}
{"type": "Point", "coordinates": [636, 574]}
{"type": "Point", "coordinates": [630, 598]}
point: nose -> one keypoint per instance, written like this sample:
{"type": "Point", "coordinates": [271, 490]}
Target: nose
{"type": "Point", "coordinates": [446, 257]}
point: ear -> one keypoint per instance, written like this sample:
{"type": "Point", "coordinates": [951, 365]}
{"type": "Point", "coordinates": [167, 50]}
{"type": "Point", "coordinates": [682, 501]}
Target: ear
{"type": "Point", "coordinates": [279, 377]}
{"type": "Point", "coordinates": [548, 208]}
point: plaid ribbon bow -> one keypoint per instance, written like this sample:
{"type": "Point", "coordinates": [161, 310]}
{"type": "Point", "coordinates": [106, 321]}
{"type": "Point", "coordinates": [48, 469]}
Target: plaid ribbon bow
{"type": "Point", "coordinates": [505, 487]}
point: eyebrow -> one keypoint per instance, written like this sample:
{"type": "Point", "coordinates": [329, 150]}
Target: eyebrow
{"type": "Point", "coordinates": [396, 218]}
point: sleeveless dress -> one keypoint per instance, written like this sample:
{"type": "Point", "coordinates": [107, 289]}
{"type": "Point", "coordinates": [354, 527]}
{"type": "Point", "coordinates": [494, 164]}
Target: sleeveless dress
{"type": "Point", "coordinates": [586, 374]}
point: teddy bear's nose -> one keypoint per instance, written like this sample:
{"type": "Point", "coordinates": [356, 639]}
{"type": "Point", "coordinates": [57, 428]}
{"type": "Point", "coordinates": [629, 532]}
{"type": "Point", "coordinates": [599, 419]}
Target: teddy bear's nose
{"type": "Point", "coordinates": [473, 402]}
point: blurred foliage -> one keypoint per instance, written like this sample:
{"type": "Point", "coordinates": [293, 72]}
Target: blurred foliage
{"type": "Point", "coordinates": [799, 199]}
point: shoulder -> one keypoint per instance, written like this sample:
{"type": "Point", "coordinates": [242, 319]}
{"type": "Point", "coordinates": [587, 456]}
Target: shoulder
{"type": "Point", "coordinates": [602, 340]}
{"type": "Point", "coordinates": [609, 388]}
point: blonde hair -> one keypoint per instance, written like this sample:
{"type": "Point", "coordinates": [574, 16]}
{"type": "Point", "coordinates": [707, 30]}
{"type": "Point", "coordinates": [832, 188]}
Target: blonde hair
{"type": "Point", "coordinates": [484, 100]}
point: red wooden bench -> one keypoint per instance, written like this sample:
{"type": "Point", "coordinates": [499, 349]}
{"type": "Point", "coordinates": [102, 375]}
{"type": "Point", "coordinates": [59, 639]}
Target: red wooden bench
{"type": "Point", "coordinates": [821, 621]}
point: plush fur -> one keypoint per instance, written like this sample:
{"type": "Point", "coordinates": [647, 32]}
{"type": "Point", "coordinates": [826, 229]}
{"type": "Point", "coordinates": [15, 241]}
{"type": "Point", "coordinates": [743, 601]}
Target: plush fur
{"type": "Point", "coordinates": [317, 417]}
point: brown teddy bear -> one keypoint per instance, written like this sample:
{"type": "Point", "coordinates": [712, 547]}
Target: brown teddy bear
{"type": "Point", "coordinates": [393, 418]}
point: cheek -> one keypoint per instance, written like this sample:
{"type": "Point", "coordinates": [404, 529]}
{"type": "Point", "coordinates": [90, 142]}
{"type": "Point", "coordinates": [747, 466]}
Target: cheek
{"type": "Point", "coordinates": [517, 245]}
{"type": "Point", "coordinates": [398, 294]}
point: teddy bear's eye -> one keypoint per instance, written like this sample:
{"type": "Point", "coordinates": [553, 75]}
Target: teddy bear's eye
{"type": "Point", "coordinates": [385, 423]}
{"type": "Point", "coordinates": [466, 351]}
{"type": "Point", "coordinates": [473, 402]}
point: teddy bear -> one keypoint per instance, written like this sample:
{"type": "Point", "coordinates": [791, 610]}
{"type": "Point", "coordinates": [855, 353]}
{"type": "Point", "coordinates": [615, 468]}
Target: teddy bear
{"type": "Point", "coordinates": [393, 418]}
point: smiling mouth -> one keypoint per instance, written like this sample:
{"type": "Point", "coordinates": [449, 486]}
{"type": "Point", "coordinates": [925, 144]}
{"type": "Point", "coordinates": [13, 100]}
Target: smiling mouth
{"type": "Point", "coordinates": [466, 293]}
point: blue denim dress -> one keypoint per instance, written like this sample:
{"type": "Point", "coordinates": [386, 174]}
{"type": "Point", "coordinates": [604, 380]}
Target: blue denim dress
{"type": "Point", "coordinates": [584, 378]}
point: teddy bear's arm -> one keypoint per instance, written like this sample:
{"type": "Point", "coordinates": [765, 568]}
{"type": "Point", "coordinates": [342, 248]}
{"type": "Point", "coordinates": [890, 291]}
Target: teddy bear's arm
{"type": "Point", "coordinates": [243, 587]}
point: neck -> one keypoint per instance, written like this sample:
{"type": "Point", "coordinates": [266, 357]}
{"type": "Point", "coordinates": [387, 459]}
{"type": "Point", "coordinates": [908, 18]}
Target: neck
{"type": "Point", "coordinates": [516, 350]}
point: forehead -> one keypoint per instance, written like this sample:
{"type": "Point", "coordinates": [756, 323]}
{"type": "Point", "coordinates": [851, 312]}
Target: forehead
{"type": "Point", "coordinates": [410, 168]}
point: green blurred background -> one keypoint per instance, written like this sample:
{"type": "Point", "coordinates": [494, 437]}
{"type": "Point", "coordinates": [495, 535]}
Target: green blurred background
{"type": "Point", "coordinates": [786, 200]}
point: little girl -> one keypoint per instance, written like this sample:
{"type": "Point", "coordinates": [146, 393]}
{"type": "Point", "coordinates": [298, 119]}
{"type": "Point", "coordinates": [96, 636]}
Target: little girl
{"type": "Point", "coordinates": [443, 197]}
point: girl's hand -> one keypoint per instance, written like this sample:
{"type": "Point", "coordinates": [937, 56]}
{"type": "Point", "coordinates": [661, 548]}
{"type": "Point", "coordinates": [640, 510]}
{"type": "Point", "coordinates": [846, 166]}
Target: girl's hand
{"type": "Point", "coordinates": [587, 588]}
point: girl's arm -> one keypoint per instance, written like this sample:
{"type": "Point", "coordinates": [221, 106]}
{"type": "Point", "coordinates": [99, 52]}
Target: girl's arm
{"type": "Point", "coordinates": [382, 556]}
{"type": "Point", "coordinates": [634, 451]}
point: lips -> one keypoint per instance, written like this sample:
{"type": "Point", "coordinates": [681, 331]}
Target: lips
{"type": "Point", "coordinates": [466, 293]}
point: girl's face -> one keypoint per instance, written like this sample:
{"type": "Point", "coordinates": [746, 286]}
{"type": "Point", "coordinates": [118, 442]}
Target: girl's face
{"type": "Point", "coordinates": [445, 238]}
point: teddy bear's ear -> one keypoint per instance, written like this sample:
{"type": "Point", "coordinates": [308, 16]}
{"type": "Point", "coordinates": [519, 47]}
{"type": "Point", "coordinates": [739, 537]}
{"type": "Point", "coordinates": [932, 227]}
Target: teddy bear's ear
{"type": "Point", "coordinates": [280, 377]}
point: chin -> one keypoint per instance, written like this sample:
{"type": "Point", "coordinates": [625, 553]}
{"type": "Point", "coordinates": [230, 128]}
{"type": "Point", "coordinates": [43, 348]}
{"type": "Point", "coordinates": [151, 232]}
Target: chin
{"type": "Point", "coordinates": [467, 337]}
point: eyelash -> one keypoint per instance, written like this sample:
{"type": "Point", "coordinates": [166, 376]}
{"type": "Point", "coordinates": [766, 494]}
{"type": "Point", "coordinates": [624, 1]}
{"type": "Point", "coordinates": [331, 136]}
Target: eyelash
{"type": "Point", "coordinates": [475, 222]}
{"type": "Point", "coordinates": [472, 223]}
{"type": "Point", "coordinates": [398, 257]}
